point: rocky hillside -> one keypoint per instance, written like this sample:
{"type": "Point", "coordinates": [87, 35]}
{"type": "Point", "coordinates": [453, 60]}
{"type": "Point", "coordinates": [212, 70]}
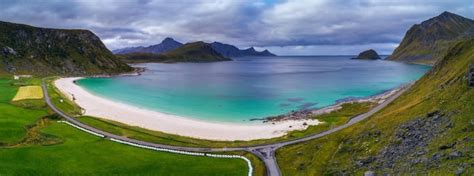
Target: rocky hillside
{"type": "Point", "coordinates": [427, 42]}
{"type": "Point", "coordinates": [190, 52]}
{"type": "Point", "coordinates": [429, 130]}
{"type": "Point", "coordinates": [31, 50]}
{"type": "Point", "coordinates": [232, 51]}
{"type": "Point", "coordinates": [368, 55]}
{"type": "Point", "coordinates": [167, 44]}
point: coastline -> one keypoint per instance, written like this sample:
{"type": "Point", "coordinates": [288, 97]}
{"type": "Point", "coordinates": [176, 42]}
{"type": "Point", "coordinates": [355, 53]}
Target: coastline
{"type": "Point", "coordinates": [308, 113]}
{"type": "Point", "coordinates": [153, 120]}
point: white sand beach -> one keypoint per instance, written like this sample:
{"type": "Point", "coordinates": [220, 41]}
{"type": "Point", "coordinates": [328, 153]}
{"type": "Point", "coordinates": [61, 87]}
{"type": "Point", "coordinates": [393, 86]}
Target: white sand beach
{"type": "Point", "coordinates": [101, 107]}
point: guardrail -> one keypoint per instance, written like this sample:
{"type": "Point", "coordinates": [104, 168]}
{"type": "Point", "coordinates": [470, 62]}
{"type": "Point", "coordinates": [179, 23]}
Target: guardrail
{"type": "Point", "coordinates": [249, 163]}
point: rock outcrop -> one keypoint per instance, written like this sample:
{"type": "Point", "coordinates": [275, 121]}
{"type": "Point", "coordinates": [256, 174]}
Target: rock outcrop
{"type": "Point", "coordinates": [368, 55]}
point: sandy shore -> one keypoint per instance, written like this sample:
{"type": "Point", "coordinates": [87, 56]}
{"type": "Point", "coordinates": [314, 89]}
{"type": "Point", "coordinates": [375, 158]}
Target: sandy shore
{"type": "Point", "coordinates": [101, 107]}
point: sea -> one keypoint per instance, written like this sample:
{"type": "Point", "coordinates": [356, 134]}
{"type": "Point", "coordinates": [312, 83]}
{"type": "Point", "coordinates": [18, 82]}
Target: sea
{"type": "Point", "coordinates": [252, 87]}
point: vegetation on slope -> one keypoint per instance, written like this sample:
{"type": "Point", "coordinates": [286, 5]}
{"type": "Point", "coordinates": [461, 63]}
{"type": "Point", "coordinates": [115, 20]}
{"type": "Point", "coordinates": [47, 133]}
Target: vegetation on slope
{"type": "Point", "coordinates": [33, 143]}
{"type": "Point", "coordinates": [428, 130]}
{"type": "Point", "coordinates": [189, 52]}
{"type": "Point", "coordinates": [426, 43]}
{"type": "Point", "coordinates": [31, 50]}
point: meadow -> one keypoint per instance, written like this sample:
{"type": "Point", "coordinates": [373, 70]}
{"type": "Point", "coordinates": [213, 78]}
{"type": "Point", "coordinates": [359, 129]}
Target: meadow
{"type": "Point", "coordinates": [33, 142]}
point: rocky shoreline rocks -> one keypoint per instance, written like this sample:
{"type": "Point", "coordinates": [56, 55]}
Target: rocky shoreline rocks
{"type": "Point", "coordinates": [309, 113]}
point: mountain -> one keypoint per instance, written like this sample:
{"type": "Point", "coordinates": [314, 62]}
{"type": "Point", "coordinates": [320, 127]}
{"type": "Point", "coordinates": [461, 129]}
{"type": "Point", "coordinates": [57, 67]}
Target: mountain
{"type": "Point", "coordinates": [167, 44]}
{"type": "Point", "coordinates": [427, 42]}
{"type": "Point", "coordinates": [189, 52]}
{"type": "Point", "coordinates": [32, 50]}
{"type": "Point", "coordinates": [368, 55]}
{"type": "Point", "coordinates": [232, 51]}
{"type": "Point", "coordinates": [428, 129]}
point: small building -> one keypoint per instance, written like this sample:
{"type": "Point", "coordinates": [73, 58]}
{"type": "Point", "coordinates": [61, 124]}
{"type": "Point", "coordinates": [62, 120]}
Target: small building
{"type": "Point", "coordinates": [17, 77]}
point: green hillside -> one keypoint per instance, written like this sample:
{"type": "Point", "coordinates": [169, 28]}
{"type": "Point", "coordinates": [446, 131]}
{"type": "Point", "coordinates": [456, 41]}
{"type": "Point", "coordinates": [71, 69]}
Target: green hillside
{"type": "Point", "coordinates": [427, 131]}
{"type": "Point", "coordinates": [427, 42]}
{"type": "Point", "coordinates": [32, 142]}
{"type": "Point", "coordinates": [31, 50]}
{"type": "Point", "coordinates": [189, 52]}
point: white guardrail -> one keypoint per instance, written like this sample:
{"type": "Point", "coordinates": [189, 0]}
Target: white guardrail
{"type": "Point", "coordinates": [249, 163]}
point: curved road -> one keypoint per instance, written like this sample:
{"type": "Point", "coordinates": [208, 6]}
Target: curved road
{"type": "Point", "coordinates": [265, 152]}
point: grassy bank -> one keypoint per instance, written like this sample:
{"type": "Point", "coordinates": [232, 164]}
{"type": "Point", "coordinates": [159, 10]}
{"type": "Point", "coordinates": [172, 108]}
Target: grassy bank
{"type": "Point", "coordinates": [32, 142]}
{"type": "Point", "coordinates": [368, 145]}
{"type": "Point", "coordinates": [330, 120]}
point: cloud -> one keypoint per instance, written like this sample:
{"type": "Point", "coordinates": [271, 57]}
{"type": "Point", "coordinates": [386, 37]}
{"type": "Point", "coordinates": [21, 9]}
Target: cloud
{"type": "Point", "coordinates": [287, 27]}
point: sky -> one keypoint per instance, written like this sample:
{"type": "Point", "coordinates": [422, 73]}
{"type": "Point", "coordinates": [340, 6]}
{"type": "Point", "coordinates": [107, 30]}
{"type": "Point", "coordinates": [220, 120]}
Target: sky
{"type": "Point", "coordinates": [285, 27]}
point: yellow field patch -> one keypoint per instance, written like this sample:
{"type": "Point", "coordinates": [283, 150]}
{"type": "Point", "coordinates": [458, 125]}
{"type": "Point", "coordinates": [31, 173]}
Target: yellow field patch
{"type": "Point", "coordinates": [28, 92]}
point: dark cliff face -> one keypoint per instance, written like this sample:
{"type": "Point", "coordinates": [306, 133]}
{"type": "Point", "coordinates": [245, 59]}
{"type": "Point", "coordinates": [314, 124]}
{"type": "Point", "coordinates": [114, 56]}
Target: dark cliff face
{"type": "Point", "coordinates": [368, 55]}
{"type": "Point", "coordinates": [427, 42]}
{"type": "Point", "coordinates": [32, 50]}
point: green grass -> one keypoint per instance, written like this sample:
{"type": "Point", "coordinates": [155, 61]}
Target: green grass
{"type": "Point", "coordinates": [444, 89]}
{"type": "Point", "coordinates": [84, 154]}
{"type": "Point", "coordinates": [13, 119]}
{"type": "Point", "coordinates": [60, 101]}
{"type": "Point", "coordinates": [33, 143]}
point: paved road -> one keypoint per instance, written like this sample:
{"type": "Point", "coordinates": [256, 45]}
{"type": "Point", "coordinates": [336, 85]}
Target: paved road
{"type": "Point", "coordinates": [265, 152]}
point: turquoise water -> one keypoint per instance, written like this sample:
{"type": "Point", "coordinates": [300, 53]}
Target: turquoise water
{"type": "Point", "coordinates": [252, 87]}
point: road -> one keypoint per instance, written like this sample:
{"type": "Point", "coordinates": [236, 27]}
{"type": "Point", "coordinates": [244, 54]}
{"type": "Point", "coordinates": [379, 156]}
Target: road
{"type": "Point", "coordinates": [265, 152]}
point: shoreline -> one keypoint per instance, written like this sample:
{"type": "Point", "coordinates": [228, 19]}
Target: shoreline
{"type": "Point", "coordinates": [100, 107]}
{"type": "Point", "coordinates": [307, 113]}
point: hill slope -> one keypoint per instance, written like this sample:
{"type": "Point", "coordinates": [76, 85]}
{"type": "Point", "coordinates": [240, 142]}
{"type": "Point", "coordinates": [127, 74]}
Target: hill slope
{"type": "Point", "coordinates": [32, 50]}
{"type": "Point", "coordinates": [428, 130]}
{"type": "Point", "coordinates": [427, 42]}
{"type": "Point", "coordinates": [190, 52]}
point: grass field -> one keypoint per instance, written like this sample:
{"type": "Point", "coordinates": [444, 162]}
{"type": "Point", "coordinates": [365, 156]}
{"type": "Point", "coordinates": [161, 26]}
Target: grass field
{"type": "Point", "coordinates": [443, 89]}
{"type": "Point", "coordinates": [28, 93]}
{"type": "Point", "coordinates": [33, 143]}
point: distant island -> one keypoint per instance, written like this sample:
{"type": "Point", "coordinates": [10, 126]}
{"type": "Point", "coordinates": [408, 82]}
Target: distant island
{"type": "Point", "coordinates": [169, 44]}
{"type": "Point", "coordinates": [189, 52]}
{"type": "Point", "coordinates": [368, 55]}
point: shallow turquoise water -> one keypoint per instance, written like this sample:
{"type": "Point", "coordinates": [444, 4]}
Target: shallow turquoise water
{"type": "Point", "coordinates": [252, 87]}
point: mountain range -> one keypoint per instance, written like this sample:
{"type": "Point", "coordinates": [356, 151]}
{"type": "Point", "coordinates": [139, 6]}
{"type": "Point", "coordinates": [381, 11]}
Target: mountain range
{"type": "Point", "coordinates": [427, 42]}
{"type": "Point", "coordinates": [26, 49]}
{"type": "Point", "coordinates": [169, 44]}
{"type": "Point", "coordinates": [166, 45]}
{"type": "Point", "coordinates": [189, 52]}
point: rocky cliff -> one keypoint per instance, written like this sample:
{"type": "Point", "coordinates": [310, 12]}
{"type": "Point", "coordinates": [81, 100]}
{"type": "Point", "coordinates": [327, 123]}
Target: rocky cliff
{"type": "Point", "coordinates": [31, 50]}
{"type": "Point", "coordinates": [426, 43]}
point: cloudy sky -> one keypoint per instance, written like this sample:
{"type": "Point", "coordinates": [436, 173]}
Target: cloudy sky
{"type": "Point", "coordinates": [286, 27]}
